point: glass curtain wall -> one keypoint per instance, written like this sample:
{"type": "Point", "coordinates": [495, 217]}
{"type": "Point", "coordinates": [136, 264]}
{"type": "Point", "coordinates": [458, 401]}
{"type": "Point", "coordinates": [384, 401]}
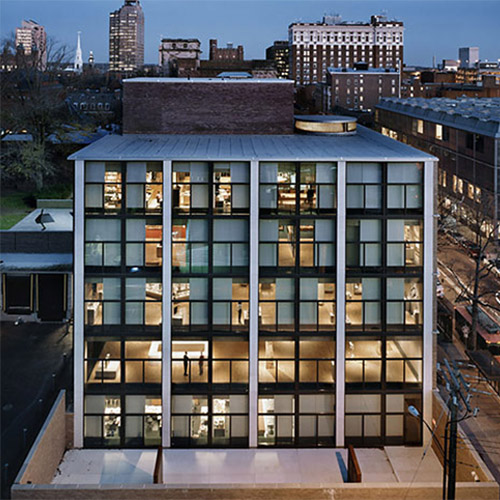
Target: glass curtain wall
{"type": "Point", "coordinates": [297, 314]}
{"type": "Point", "coordinates": [210, 303]}
{"type": "Point", "coordinates": [383, 351]}
{"type": "Point", "coordinates": [122, 308]}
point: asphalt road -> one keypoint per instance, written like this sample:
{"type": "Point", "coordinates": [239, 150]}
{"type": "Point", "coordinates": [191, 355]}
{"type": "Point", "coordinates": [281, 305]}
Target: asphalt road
{"type": "Point", "coordinates": [455, 266]}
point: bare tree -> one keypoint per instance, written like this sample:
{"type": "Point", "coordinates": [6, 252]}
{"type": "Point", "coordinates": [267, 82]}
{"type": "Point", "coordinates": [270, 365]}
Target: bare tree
{"type": "Point", "coordinates": [472, 287]}
{"type": "Point", "coordinates": [32, 101]}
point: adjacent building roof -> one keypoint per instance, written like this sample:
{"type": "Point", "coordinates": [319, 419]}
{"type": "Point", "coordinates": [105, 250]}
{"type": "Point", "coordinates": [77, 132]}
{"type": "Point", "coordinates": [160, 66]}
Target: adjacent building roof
{"type": "Point", "coordinates": [62, 220]}
{"type": "Point", "coordinates": [36, 262]}
{"type": "Point", "coordinates": [206, 80]}
{"type": "Point", "coordinates": [365, 145]}
{"type": "Point", "coordinates": [477, 115]}
{"type": "Point", "coordinates": [357, 71]}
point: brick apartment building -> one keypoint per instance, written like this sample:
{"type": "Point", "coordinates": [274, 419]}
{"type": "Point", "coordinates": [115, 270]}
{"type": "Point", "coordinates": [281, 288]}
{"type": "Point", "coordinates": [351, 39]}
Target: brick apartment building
{"type": "Point", "coordinates": [315, 47]}
{"type": "Point", "coordinates": [359, 88]}
{"type": "Point", "coordinates": [228, 53]}
{"type": "Point", "coordinates": [464, 134]}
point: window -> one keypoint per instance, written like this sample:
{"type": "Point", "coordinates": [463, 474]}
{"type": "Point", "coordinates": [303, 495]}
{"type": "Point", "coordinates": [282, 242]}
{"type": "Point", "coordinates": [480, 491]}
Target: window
{"type": "Point", "coordinates": [439, 132]}
{"type": "Point", "coordinates": [404, 302]}
{"type": "Point", "coordinates": [290, 188]}
{"type": "Point", "coordinates": [404, 190]}
{"type": "Point", "coordinates": [404, 242]}
{"type": "Point", "coordinates": [363, 242]}
{"type": "Point", "coordinates": [220, 420]}
{"type": "Point", "coordinates": [420, 126]}
{"type": "Point", "coordinates": [470, 191]}
{"type": "Point", "coordinates": [363, 310]}
{"type": "Point", "coordinates": [364, 190]}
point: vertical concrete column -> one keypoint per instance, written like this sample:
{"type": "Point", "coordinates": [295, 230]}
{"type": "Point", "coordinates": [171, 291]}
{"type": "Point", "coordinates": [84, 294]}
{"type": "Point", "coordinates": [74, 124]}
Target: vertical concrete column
{"type": "Point", "coordinates": [166, 333]}
{"type": "Point", "coordinates": [340, 303]}
{"type": "Point", "coordinates": [428, 291]}
{"type": "Point", "coordinates": [253, 335]}
{"type": "Point", "coordinates": [78, 283]}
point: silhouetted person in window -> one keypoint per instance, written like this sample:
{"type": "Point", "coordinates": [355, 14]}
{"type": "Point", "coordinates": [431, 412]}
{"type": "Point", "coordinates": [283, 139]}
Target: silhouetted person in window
{"type": "Point", "coordinates": [239, 308]}
{"type": "Point", "coordinates": [186, 364]}
{"type": "Point", "coordinates": [310, 195]}
{"type": "Point", "coordinates": [200, 363]}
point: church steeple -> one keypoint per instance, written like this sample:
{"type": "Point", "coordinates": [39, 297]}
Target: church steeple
{"type": "Point", "coordinates": [78, 57]}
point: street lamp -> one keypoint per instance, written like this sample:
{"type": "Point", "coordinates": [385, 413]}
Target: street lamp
{"type": "Point", "coordinates": [415, 413]}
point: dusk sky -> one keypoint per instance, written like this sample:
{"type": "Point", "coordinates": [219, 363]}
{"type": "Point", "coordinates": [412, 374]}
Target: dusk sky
{"type": "Point", "coordinates": [432, 28]}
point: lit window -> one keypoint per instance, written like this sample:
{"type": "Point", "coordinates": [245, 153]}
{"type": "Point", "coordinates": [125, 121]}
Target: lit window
{"type": "Point", "coordinates": [420, 126]}
{"type": "Point", "coordinates": [439, 132]}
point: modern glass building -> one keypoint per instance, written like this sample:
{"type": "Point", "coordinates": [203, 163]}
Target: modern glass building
{"type": "Point", "coordinates": [253, 290]}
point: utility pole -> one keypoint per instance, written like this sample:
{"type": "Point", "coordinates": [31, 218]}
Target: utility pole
{"type": "Point", "coordinates": [459, 400]}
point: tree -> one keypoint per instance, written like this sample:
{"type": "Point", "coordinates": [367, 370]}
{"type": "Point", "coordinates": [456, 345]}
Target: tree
{"type": "Point", "coordinates": [32, 102]}
{"type": "Point", "coordinates": [485, 232]}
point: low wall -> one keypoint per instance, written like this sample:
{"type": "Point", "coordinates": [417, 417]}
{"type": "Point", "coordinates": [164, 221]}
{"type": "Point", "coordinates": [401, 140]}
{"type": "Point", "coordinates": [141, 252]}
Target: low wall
{"type": "Point", "coordinates": [429, 491]}
{"type": "Point", "coordinates": [48, 449]}
{"type": "Point", "coordinates": [468, 460]}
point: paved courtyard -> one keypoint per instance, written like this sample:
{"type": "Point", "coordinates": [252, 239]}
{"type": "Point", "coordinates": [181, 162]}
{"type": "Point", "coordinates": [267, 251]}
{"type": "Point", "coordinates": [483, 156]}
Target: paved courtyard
{"type": "Point", "coordinates": [211, 467]}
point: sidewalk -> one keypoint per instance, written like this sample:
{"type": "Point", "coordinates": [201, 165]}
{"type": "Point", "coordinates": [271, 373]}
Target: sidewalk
{"type": "Point", "coordinates": [484, 430]}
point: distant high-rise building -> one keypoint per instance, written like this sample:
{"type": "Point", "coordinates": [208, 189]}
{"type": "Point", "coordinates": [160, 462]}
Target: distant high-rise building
{"type": "Point", "coordinates": [31, 40]}
{"type": "Point", "coordinates": [315, 47]}
{"type": "Point", "coordinates": [468, 56]}
{"type": "Point", "coordinates": [224, 54]}
{"type": "Point", "coordinates": [279, 53]}
{"type": "Point", "coordinates": [126, 37]}
{"type": "Point", "coordinates": [78, 66]}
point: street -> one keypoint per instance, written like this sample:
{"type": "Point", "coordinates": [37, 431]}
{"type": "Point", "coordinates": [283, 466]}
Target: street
{"type": "Point", "coordinates": [454, 262]}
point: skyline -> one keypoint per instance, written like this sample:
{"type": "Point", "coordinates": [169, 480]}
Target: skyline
{"type": "Point", "coordinates": [220, 19]}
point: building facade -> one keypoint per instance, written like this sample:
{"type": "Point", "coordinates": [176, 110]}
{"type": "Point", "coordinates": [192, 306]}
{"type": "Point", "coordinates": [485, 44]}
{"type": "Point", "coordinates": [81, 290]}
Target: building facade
{"type": "Point", "coordinates": [31, 42]}
{"type": "Point", "coordinates": [315, 47]}
{"type": "Point", "coordinates": [279, 53]}
{"type": "Point", "coordinates": [179, 57]}
{"type": "Point", "coordinates": [358, 89]}
{"type": "Point", "coordinates": [464, 134]}
{"type": "Point", "coordinates": [468, 57]}
{"type": "Point", "coordinates": [126, 37]}
{"type": "Point", "coordinates": [228, 53]}
{"type": "Point", "coordinates": [245, 290]}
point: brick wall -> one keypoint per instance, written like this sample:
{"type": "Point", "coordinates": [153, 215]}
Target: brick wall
{"type": "Point", "coordinates": [48, 449]}
{"type": "Point", "coordinates": [221, 107]}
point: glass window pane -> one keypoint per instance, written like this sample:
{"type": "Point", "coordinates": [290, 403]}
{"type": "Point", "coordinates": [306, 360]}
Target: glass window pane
{"type": "Point", "coordinates": [326, 173]}
{"type": "Point", "coordinates": [268, 172]}
{"type": "Point", "coordinates": [111, 313]}
{"type": "Point", "coordinates": [112, 254]}
{"type": "Point", "coordinates": [94, 171]}
{"type": "Point", "coordinates": [362, 173]}
{"type": "Point", "coordinates": [102, 230]}
{"type": "Point", "coordinates": [136, 171]}
{"type": "Point", "coordinates": [135, 254]}
{"type": "Point", "coordinates": [231, 230]}
{"type": "Point", "coordinates": [404, 173]}
{"type": "Point", "coordinates": [327, 195]}
{"type": "Point", "coordinates": [93, 195]}
{"type": "Point", "coordinates": [136, 229]}
{"type": "Point", "coordinates": [135, 196]}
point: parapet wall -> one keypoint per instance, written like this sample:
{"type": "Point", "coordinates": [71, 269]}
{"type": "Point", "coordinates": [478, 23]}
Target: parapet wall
{"type": "Point", "coordinates": [49, 447]}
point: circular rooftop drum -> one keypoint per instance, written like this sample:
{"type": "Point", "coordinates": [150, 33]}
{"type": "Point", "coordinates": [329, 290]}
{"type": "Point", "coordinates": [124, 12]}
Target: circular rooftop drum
{"type": "Point", "coordinates": [325, 124]}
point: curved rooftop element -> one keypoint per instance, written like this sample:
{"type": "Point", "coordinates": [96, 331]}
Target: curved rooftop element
{"type": "Point", "coordinates": [325, 124]}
